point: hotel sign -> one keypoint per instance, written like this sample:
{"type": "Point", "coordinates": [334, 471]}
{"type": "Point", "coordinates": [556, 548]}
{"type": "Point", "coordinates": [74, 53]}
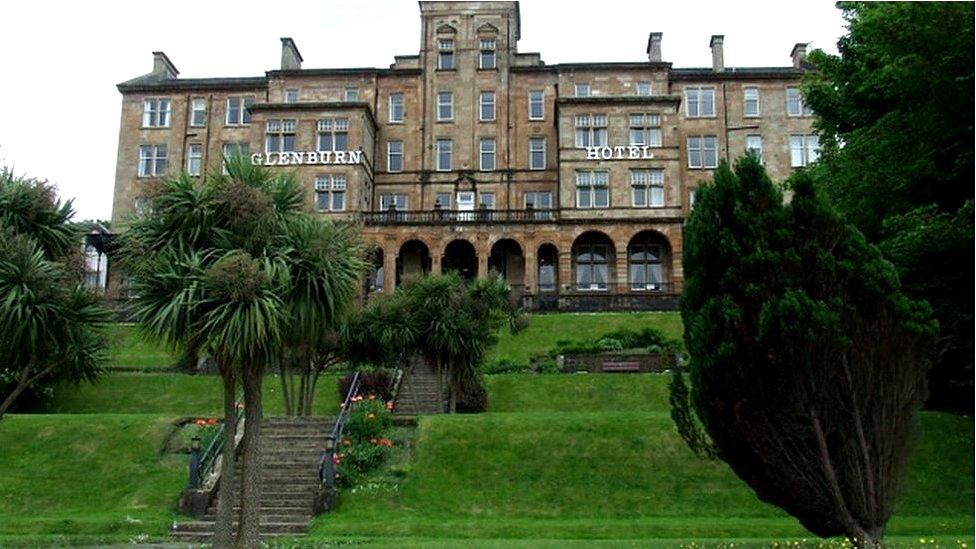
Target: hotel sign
{"type": "Point", "coordinates": [307, 158]}
{"type": "Point", "coordinates": [619, 152]}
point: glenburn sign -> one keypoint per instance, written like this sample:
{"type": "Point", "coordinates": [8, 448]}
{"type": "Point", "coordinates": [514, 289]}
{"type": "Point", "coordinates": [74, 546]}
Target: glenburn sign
{"type": "Point", "coordinates": [307, 158]}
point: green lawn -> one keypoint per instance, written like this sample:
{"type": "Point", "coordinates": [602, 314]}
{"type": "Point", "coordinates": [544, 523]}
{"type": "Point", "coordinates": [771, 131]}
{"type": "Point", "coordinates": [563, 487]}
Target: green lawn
{"type": "Point", "coordinates": [172, 394]}
{"type": "Point", "coordinates": [128, 350]}
{"type": "Point", "coordinates": [545, 330]}
{"type": "Point", "coordinates": [578, 392]}
{"type": "Point", "coordinates": [614, 475]}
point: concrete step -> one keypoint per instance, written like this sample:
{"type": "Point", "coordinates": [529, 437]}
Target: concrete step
{"type": "Point", "coordinates": [290, 510]}
{"type": "Point", "coordinates": [276, 517]}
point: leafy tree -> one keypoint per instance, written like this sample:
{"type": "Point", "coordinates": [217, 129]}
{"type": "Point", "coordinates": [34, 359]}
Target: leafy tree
{"type": "Point", "coordinates": [215, 267]}
{"type": "Point", "coordinates": [807, 362]}
{"type": "Point", "coordinates": [49, 322]}
{"type": "Point", "coordinates": [895, 114]}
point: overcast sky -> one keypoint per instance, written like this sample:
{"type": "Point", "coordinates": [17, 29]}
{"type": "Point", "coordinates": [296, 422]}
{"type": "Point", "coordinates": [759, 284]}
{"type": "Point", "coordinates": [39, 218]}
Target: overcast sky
{"type": "Point", "coordinates": [59, 109]}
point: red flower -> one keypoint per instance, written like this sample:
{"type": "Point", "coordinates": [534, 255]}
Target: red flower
{"type": "Point", "coordinates": [201, 422]}
{"type": "Point", "coordinates": [212, 421]}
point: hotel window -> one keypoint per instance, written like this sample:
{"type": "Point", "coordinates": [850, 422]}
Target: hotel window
{"type": "Point", "coordinates": [754, 146]}
{"type": "Point", "coordinates": [280, 136]}
{"type": "Point", "coordinates": [291, 95]}
{"type": "Point", "coordinates": [646, 267]}
{"type": "Point", "coordinates": [445, 152]}
{"type": "Point", "coordinates": [442, 201]}
{"type": "Point", "coordinates": [487, 58]}
{"type": "Point", "coordinates": [155, 113]}
{"type": "Point", "coordinates": [330, 193]}
{"type": "Point", "coordinates": [592, 267]}
{"type": "Point", "coordinates": [234, 149]}
{"type": "Point", "coordinates": [591, 130]}
{"type": "Point", "coordinates": [237, 113]}
{"type": "Point", "coordinates": [445, 55]}
{"type": "Point", "coordinates": [699, 101]}
{"type": "Point", "coordinates": [194, 159]}
{"type": "Point", "coordinates": [396, 107]}
{"type": "Point", "coordinates": [153, 160]}
{"type": "Point", "coordinates": [143, 206]}
{"type": "Point", "coordinates": [487, 111]}
{"type": "Point", "coordinates": [352, 95]}
{"type": "Point", "coordinates": [445, 106]}
{"type": "Point", "coordinates": [486, 201]}
{"type": "Point", "coordinates": [582, 90]}
{"type": "Point", "coordinates": [703, 151]}
{"type": "Point", "coordinates": [804, 149]}
{"type": "Point", "coordinates": [795, 105]}
{"type": "Point", "coordinates": [645, 130]}
{"type": "Point", "coordinates": [644, 88]}
{"type": "Point", "coordinates": [333, 134]}
{"type": "Point", "coordinates": [486, 150]}
{"type": "Point", "coordinates": [394, 156]}
{"type": "Point", "coordinates": [592, 189]}
{"type": "Point", "coordinates": [198, 113]}
{"type": "Point", "coordinates": [537, 153]}
{"type": "Point", "coordinates": [648, 188]}
{"type": "Point", "coordinates": [538, 200]}
{"type": "Point", "coordinates": [750, 97]}
{"type": "Point", "coordinates": [537, 105]}
{"type": "Point", "coordinates": [396, 201]}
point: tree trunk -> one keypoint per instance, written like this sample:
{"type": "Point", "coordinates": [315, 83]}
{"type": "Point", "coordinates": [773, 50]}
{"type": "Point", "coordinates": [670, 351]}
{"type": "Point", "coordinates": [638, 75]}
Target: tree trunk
{"type": "Point", "coordinates": [285, 395]}
{"type": "Point", "coordinates": [303, 386]}
{"type": "Point", "coordinates": [226, 492]}
{"type": "Point", "coordinates": [250, 517]}
{"type": "Point", "coordinates": [21, 385]}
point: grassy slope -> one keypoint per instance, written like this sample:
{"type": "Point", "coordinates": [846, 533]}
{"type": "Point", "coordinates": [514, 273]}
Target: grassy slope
{"type": "Point", "coordinates": [545, 330]}
{"type": "Point", "coordinates": [82, 474]}
{"type": "Point", "coordinates": [128, 350]}
{"type": "Point", "coordinates": [172, 394]}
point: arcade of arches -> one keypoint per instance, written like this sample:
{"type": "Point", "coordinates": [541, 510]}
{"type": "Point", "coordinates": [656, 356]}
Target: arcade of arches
{"type": "Point", "coordinates": [642, 259]}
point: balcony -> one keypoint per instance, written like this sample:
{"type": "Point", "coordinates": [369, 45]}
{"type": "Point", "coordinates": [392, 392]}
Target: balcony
{"type": "Point", "coordinates": [660, 296]}
{"type": "Point", "coordinates": [457, 217]}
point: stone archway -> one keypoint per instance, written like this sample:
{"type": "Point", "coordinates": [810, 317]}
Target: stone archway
{"type": "Point", "coordinates": [547, 263]}
{"type": "Point", "coordinates": [649, 262]}
{"type": "Point", "coordinates": [508, 260]}
{"type": "Point", "coordinates": [594, 261]}
{"type": "Point", "coordinates": [460, 256]}
{"type": "Point", "coordinates": [413, 259]}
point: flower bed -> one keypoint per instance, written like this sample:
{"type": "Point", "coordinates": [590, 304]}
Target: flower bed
{"type": "Point", "coordinates": [365, 444]}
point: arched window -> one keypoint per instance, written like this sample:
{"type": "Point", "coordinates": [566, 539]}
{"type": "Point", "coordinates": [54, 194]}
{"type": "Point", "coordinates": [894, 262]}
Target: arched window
{"type": "Point", "coordinates": [648, 260]}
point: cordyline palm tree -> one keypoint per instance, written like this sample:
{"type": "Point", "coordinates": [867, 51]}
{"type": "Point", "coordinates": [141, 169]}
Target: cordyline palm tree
{"type": "Point", "coordinates": [48, 321]}
{"type": "Point", "coordinates": [226, 266]}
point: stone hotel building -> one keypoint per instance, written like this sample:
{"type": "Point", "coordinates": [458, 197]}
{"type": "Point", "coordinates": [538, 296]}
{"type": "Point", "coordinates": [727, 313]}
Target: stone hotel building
{"type": "Point", "coordinates": [573, 181]}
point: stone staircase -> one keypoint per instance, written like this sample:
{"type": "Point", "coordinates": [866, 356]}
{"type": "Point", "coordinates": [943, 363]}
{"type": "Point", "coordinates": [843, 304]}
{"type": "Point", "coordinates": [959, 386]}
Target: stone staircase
{"type": "Point", "coordinates": [418, 391]}
{"type": "Point", "coordinates": [291, 452]}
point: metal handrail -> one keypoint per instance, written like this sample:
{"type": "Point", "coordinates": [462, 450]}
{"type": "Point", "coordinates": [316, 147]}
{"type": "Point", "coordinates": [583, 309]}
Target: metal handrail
{"type": "Point", "coordinates": [202, 465]}
{"type": "Point", "coordinates": [326, 466]}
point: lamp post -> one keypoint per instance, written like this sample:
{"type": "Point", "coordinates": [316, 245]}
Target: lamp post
{"type": "Point", "coordinates": [195, 462]}
{"type": "Point", "coordinates": [329, 464]}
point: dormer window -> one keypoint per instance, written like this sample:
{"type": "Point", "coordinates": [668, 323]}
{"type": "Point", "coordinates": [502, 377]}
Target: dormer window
{"type": "Point", "coordinates": [445, 55]}
{"type": "Point", "coordinates": [487, 57]}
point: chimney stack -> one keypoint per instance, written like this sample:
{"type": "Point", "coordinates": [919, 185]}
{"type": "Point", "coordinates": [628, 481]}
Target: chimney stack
{"type": "Point", "coordinates": [163, 67]}
{"type": "Point", "coordinates": [718, 52]}
{"type": "Point", "coordinates": [291, 60]}
{"type": "Point", "coordinates": [799, 55]}
{"type": "Point", "coordinates": [654, 47]}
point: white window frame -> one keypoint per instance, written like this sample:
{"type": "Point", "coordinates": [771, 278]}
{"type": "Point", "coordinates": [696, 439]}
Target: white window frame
{"type": "Point", "coordinates": [695, 103]}
{"type": "Point", "coordinates": [292, 95]}
{"type": "Point", "coordinates": [198, 105]}
{"type": "Point", "coordinates": [541, 103]}
{"type": "Point", "coordinates": [230, 148]}
{"type": "Point", "coordinates": [648, 126]}
{"type": "Point", "coordinates": [587, 183]}
{"type": "Point", "coordinates": [401, 104]}
{"type": "Point", "coordinates": [449, 105]}
{"type": "Point", "coordinates": [331, 185]}
{"type": "Point", "coordinates": [751, 141]}
{"type": "Point", "coordinates": [536, 202]}
{"type": "Point", "coordinates": [804, 149]}
{"type": "Point", "coordinates": [644, 88]}
{"type": "Point", "coordinates": [702, 150]}
{"type": "Point", "coordinates": [533, 141]}
{"type": "Point", "coordinates": [445, 47]}
{"type": "Point", "coordinates": [651, 182]}
{"type": "Point", "coordinates": [390, 154]}
{"type": "Point", "coordinates": [795, 97]}
{"type": "Point", "coordinates": [747, 100]}
{"type": "Point", "coordinates": [593, 126]}
{"type": "Point", "coordinates": [350, 95]}
{"type": "Point", "coordinates": [488, 204]}
{"type": "Point", "coordinates": [194, 159]}
{"type": "Point", "coordinates": [448, 145]}
{"type": "Point", "coordinates": [439, 204]}
{"type": "Point", "coordinates": [281, 127]}
{"type": "Point", "coordinates": [333, 127]}
{"type": "Point", "coordinates": [487, 157]}
{"type": "Point", "coordinates": [487, 46]}
{"type": "Point", "coordinates": [156, 112]}
{"type": "Point", "coordinates": [582, 89]}
{"type": "Point", "coordinates": [243, 116]}
{"type": "Point", "coordinates": [482, 104]}
{"type": "Point", "coordinates": [386, 199]}
{"type": "Point", "coordinates": [151, 162]}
